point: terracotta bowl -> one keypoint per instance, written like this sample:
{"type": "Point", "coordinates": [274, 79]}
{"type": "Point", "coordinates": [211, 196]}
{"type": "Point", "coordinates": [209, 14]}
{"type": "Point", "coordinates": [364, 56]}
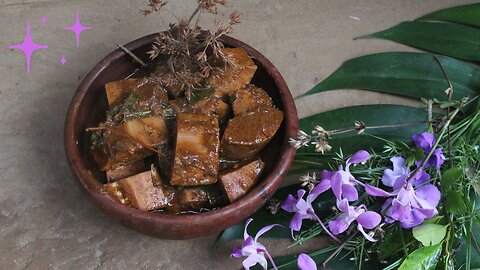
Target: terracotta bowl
{"type": "Point", "coordinates": [88, 108]}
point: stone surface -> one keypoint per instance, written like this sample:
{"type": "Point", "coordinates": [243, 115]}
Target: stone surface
{"type": "Point", "coordinates": [46, 221]}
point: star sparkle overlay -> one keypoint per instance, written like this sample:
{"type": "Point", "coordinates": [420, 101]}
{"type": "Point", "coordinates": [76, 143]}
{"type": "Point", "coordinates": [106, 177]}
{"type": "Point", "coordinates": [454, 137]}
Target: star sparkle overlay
{"type": "Point", "coordinates": [78, 28]}
{"type": "Point", "coordinates": [28, 47]}
{"type": "Point", "coordinates": [63, 60]}
{"type": "Point", "coordinates": [43, 20]}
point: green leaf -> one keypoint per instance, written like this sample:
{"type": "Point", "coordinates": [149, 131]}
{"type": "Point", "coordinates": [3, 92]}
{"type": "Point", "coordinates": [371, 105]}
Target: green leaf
{"type": "Point", "coordinates": [415, 75]}
{"type": "Point", "coordinates": [468, 14]}
{"type": "Point", "coordinates": [416, 155]}
{"type": "Point", "coordinates": [474, 251]}
{"type": "Point", "coordinates": [434, 220]}
{"type": "Point", "coordinates": [425, 258]}
{"type": "Point", "coordinates": [455, 203]}
{"type": "Point", "coordinates": [402, 146]}
{"type": "Point", "coordinates": [391, 245]}
{"type": "Point", "coordinates": [450, 176]}
{"type": "Point", "coordinates": [419, 154]}
{"type": "Point", "coordinates": [473, 234]}
{"type": "Point", "coordinates": [371, 115]}
{"type": "Point", "coordinates": [430, 234]}
{"type": "Point", "coordinates": [454, 40]}
{"type": "Point", "coordinates": [410, 160]}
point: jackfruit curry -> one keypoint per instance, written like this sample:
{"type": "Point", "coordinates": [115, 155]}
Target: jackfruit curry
{"type": "Point", "coordinates": [162, 151]}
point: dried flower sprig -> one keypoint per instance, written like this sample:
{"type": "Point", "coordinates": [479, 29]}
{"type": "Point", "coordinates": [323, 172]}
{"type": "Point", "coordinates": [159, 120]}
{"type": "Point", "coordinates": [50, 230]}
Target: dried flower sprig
{"type": "Point", "coordinates": [309, 181]}
{"type": "Point", "coordinates": [234, 18]}
{"type": "Point", "coordinates": [192, 59]}
{"type": "Point", "coordinates": [319, 136]}
{"type": "Point", "coordinates": [154, 6]}
{"type": "Point", "coordinates": [302, 139]}
{"type": "Point", "coordinates": [211, 5]}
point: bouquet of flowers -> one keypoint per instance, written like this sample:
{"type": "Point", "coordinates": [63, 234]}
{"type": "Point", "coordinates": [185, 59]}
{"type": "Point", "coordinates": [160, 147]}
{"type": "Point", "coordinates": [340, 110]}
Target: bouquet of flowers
{"type": "Point", "coordinates": [413, 198]}
{"type": "Point", "coordinates": [392, 187]}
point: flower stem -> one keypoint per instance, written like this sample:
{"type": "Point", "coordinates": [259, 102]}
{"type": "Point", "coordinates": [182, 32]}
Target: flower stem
{"type": "Point", "coordinates": [360, 261]}
{"type": "Point", "coordinates": [449, 94]}
{"type": "Point", "coordinates": [271, 260]}
{"type": "Point", "coordinates": [338, 249]}
{"type": "Point", "coordinates": [324, 228]}
{"type": "Point", "coordinates": [127, 51]}
{"type": "Point", "coordinates": [344, 130]}
{"type": "Point", "coordinates": [403, 240]}
{"type": "Point", "coordinates": [437, 141]}
{"type": "Point", "coordinates": [194, 14]}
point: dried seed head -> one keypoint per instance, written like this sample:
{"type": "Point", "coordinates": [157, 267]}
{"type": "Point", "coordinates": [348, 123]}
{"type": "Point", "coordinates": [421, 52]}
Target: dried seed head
{"type": "Point", "coordinates": [303, 139]}
{"type": "Point", "coordinates": [322, 146]}
{"type": "Point", "coordinates": [309, 181]}
{"type": "Point", "coordinates": [183, 24]}
{"type": "Point", "coordinates": [154, 6]}
{"type": "Point", "coordinates": [320, 129]}
{"type": "Point", "coordinates": [308, 178]}
{"type": "Point", "coordinates": [192, 60]}
{"type": "Point", "coordinates": [321, 132]}
{"type": "Point", "coordinates": [448, 92]}
{"type": "Point", "coordinates": [294, 143]}
{"type": "Point", "coordinates": [219, 26]}
{"type": "Point", "coordinates": [273, 206]}
{"type": "Point", "coordinates": [202, 56]}
{"type": "Point", "coordinates": [164, 44]}
{"type": "Point", "coordinates": [234, 18]}
{"type": "Point", "coordinates": [211, 5]}
{"type": "Point", "coordinates": [302, 135]}
{"type": "Point", "coordinates": [146, 12]}
{"type": "Point", "coordinates": [360, 127]}
{"type": "Point", "coordinates": [206, 71]}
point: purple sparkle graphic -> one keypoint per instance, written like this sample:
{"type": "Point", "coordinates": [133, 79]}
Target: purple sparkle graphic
{"type": "Point", "coordinates": [43, 20]}
{"type": "Point", "coordinates": [78, 28]}
{"type": "Point", "coordinates": [28, 47]}
{"type": "Point", "coordinates": [63, 60]}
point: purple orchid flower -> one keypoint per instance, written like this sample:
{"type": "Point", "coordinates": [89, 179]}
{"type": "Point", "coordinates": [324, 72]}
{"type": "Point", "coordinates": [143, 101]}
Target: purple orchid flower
{"type": "Point", "coordinates": [342, 181]}
{"type": "Point", "coordinates": [303, 208]}
{"type": "Point", "coordinates": [253, 250]}
{"type": "Point", "coordinates": [436, 159]}
{"type": "Point", "coordinates": [365, 219]}
{"type": "Point", "coordinates": [305, 262]}
{"type": "Point", "coordinates": [397, 177]}
{"type": "Point", "coordinates": [426, 141]}
{"type": "Point", "coordinates": [410, 202]}
{"type": "Point", "coordinates": [409, 206]}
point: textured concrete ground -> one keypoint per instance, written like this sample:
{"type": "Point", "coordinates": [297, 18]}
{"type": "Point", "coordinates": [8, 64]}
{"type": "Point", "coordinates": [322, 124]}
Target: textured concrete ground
{"type": "Point", "coordinates": [46, 222]}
